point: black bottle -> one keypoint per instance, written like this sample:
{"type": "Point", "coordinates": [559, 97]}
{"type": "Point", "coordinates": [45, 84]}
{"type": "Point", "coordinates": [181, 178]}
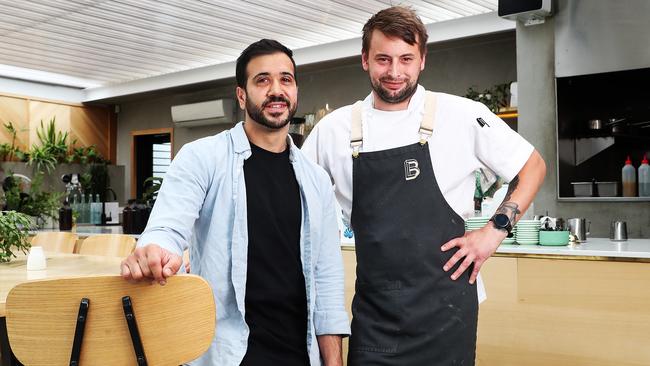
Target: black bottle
{"type": "Point", "coordinates": [127, 218]}
{"type": "Point", "coordinates": [65, 216]}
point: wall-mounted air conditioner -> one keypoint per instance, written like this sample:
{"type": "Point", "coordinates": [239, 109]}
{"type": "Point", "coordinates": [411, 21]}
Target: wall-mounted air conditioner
{"type": "Point", "coordinates": [528, 11]}
{"type": "Point", "coordinates": [212, 112]}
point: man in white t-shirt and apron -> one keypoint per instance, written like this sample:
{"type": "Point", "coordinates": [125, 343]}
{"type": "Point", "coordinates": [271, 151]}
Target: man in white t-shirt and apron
{"type": "Point", "coordinates": [403, 163]}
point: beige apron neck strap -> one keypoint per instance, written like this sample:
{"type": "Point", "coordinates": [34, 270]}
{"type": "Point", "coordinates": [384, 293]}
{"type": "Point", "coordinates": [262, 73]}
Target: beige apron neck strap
{"type": "Point", "coordinates": [356, 134]}
{"type": "Point", "coordinates": [428, 118]}
{"type": "Point", "coordinates": [426, 126]}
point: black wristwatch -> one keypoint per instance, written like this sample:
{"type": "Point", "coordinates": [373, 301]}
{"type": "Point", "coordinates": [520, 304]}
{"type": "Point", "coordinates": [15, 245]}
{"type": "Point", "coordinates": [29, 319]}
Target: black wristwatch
{"type": "Point", "coordinates": [502, 222]}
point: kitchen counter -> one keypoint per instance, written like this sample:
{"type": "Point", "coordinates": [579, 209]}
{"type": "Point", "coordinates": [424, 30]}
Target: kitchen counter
{"type": "Point", "coordinates": [579, 305]}
{"type": "Point", "coordinates": [632, 250]}
{"type": "Point", "coordinates": [84, 231]}
{"type": "Point", "coordinates": [594, 249]}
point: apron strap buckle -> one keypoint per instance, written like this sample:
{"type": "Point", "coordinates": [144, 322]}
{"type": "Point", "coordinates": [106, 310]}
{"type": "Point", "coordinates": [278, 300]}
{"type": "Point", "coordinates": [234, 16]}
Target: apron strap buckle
{"type": "Point", "coordinates": [425, 133]}
{"type": "Point", "coordinates": [356, 145]}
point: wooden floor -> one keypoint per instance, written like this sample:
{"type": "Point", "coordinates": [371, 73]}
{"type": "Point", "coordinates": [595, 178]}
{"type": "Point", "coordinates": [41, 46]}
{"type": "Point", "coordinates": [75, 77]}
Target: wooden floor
{"type": "Point", "coordinates": [543, 312]}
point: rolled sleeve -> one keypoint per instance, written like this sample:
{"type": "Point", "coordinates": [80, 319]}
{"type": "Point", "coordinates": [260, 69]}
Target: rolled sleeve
{"type": "Point", "coordinates": [179, 201]}
{"type": "Point", "coordinates": [331, 322]}
{"type": "Point", "coordinates": [330, 316]}
{"type": "Point", "coordinates": [163, 238]}
{"type": "Point", "coordinates": [498, 146]}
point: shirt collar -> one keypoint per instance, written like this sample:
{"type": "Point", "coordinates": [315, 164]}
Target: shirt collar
{"type": "Point", "coordinates": [243, 146]}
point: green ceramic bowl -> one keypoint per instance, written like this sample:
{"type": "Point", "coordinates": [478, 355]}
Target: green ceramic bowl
{"type": "Point", "coordinates": [554, 238]}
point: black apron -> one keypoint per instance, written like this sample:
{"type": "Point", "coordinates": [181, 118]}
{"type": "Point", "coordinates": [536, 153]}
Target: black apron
{"type": "Point", "coordinates": [406, 309]}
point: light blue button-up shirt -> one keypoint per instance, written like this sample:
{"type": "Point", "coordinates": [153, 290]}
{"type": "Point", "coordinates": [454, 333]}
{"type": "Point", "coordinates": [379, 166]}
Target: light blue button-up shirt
{"type": "Point", "coordinates": [202, 204]}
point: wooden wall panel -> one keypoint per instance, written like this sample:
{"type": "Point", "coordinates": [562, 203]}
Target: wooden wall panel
{"type": "Point", "coordinates": [14, 110]}
{"type": "Point", "coordinates": [44, 111]}
{"type": "Point", "coordinates": [90, 126]}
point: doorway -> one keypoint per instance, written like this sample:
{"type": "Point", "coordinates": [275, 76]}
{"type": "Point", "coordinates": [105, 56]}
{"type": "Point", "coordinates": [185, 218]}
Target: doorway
{"type": "Point", "coordinates": [151, 154]}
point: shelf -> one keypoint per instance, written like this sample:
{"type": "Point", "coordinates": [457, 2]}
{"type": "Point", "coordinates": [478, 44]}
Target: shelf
{"type": "Point", "coordinates": [602, 134]}
{"type": "Point", "coordinates": [603, 199]}
{"type": "Point", "coordinates": [508, 114]}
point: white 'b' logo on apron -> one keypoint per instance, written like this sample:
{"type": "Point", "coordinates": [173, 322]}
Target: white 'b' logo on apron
{"type": "Point", "coordinates": [411, 169]}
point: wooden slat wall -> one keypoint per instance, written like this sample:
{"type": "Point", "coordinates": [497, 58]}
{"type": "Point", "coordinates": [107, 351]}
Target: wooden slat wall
{"type": "Point", "coordinates": [42, 111]}
{"type": "Point", "coordinates": [16, 111]}
{"type": "Point", "coordinates": [88, 124]}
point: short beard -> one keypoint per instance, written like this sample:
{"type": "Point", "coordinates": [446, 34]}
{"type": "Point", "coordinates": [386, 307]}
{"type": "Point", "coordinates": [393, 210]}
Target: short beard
{"type": "Point", "coordinates": [257, 113]}
{"type": "Point", "coordinates": [403, 95]}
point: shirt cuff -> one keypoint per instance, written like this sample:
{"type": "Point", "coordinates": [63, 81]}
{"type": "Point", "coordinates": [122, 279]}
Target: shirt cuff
{"type": "Point", "coordinates": [331, 323]}
{"type": "Point", "coordinates": [161, 239]}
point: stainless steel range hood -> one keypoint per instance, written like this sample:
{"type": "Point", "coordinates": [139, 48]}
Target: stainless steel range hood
{"type": "Point", "coordinates": [595, 36]}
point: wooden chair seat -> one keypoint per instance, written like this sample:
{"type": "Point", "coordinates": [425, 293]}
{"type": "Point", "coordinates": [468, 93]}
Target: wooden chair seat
{"type": "Point", "coordinates": [176, 322]}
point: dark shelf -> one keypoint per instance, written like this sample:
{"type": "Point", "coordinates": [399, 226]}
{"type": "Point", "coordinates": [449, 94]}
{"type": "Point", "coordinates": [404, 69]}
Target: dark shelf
{"type": "Point", "coordinates": [603, 199]}
{"type": "Point", "coordinates": [626, 135]}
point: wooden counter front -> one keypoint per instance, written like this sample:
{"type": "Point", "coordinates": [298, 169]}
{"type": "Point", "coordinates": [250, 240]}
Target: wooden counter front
{"type": "Point", "coordinates": [543, 312]}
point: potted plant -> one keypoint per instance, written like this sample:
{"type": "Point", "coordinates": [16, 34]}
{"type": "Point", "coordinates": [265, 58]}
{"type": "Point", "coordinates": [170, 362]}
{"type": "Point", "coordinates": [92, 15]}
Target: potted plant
{"type": "Point", "coordinates": [9, 150]}
{"type": "Point", "coordinates": [34, 201]}
{"type": "Point", "coordinates": [13, 234]}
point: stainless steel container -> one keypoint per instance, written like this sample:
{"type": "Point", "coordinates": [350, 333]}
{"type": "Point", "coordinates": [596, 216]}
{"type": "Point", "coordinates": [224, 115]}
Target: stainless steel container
{"type": "Point", "coordinates": [583, 189]}
{"type": "Point", "coordinates": [578, 227]}
{"type": "Point", "coordinates": [607, 189]}
{"type": "Point", "coordinates": [618, 231]}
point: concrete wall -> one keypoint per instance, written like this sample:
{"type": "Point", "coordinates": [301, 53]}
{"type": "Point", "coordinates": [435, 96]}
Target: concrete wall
{"type": "Point", "coordinates": [452, 67]}
{"type": "Point", "coordinates": [537, 122]}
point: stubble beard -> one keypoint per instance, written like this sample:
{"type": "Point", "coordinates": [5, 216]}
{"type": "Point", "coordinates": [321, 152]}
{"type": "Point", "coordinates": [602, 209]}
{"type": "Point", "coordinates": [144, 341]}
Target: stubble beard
{"type": "Point", "coordinates": [386, 95]}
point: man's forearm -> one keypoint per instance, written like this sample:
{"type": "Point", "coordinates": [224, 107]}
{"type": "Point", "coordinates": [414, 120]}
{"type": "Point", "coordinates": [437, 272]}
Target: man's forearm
{"type": "Point", "coordinates": [330, 349]}
{"type": "Point", "coordinates": [523, 188]}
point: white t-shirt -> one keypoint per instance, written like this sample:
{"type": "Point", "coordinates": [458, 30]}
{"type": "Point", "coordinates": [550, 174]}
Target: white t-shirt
{"type": "Point", "coordinates": [460, 144]}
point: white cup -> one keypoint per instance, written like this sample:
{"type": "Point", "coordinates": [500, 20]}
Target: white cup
{"type": "Point", "coordinates": [36, 259]}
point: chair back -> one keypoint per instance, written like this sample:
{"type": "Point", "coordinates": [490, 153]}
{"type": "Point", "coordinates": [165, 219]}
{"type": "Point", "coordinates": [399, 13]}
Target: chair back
{"type": "Point", "coordinates": [114, 245]}
{"type": "Point", "coordinates": [176, 322]}
{"type": "Point", "coordinates": [56, 241]}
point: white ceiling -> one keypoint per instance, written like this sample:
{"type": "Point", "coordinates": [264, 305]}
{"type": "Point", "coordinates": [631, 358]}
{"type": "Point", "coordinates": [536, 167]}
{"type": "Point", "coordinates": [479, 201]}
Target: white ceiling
{"type": "Point", "coordinates": [103, 43]}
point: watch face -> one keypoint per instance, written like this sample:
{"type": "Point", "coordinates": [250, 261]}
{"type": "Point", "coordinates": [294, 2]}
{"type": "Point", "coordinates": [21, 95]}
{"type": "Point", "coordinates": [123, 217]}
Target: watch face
{"type": "Point", "coordinates": [501, 220]}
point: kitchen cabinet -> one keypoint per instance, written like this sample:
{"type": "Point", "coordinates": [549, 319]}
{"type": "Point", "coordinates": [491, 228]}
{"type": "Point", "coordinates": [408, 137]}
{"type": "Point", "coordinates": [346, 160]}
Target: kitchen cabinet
{"type": "Point", "coordinates": [561, 306]}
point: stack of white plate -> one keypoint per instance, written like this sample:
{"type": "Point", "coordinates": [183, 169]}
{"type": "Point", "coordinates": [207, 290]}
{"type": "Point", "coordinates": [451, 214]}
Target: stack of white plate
{"type": "Point", "coordinates": [511, 240]}
{"type": "Point", "coordinates": [528, 232]}
{"type": "Point", "coordinates": [475, 223]}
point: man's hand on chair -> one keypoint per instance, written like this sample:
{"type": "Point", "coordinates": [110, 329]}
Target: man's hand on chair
{"type": "Point", "coordinates": [150, 263]}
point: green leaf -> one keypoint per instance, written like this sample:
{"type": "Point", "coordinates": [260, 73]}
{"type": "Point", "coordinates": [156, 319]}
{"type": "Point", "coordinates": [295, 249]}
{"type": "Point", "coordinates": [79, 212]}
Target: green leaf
{"type": "Point", "coordinates": [14, 231]}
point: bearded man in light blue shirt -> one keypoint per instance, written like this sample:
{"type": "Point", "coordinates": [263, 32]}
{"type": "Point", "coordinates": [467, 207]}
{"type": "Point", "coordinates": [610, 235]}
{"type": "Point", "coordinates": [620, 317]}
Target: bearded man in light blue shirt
{"type": "Point", "coordinates": [261, 225]}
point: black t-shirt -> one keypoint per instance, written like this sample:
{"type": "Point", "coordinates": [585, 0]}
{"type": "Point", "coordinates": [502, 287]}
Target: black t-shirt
{"type": "Point", "coordinates": [276, 299]}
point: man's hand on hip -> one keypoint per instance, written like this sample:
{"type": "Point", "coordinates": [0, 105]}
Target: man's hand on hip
{"type": "Point", "coordinates": [150, 263]}
{"type": "Point", "coordinates": [473, 247]}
